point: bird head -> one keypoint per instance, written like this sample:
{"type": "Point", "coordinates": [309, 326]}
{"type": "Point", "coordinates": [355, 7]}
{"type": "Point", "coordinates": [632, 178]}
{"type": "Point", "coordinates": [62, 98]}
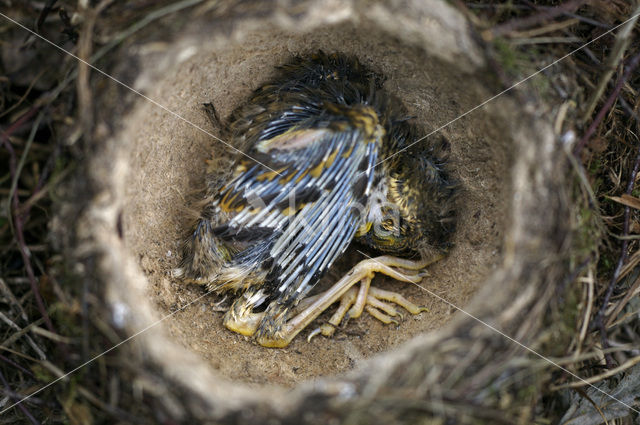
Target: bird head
{"type": "Point", "coordinates": [413, 211]}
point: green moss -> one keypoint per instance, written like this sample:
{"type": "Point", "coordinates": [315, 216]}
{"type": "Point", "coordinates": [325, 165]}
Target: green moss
{"type": "Point", "coordinates": [606, 265]}
{"type": "Point", "coordinates": [508, 56]}
{"type": "Point", "coordinates": [586, 233]}
{"type": "Point", "coordinates": [595, 166]}
{"type": "Point", "coordinates": [42, 374]}
{"type": "Point", "coordinates": [541, 84]}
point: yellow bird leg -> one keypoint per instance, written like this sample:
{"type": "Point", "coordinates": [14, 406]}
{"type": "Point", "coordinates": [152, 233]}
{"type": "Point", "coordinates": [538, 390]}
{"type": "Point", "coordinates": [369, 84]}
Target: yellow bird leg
{"type": "Point", "coordinates": [244, 325]}
{"type": "Point", "coordinates": [239, 318]}
{"type": "Point", "coordinates": [384, 318]}
{"type": "Point", "coordinates": [358, 307]}
{"type": "Point", "coordinates": [329, 328]}
{"type": "Point", "coordinates": [386, 308]}
{"type": "Point", "coordinates": [397, 268]}
{"type": "Point", "coordinates": [394, 297]}
{"type": "Point", "coordinates": [372, 299]}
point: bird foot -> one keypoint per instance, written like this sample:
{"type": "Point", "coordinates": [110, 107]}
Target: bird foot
{"type": "Point", "coordinates": [278, 331]}
{"type": "Point", "coordinates": [246, 324]}
{"type": "Point", "coordinates": [377, 302]}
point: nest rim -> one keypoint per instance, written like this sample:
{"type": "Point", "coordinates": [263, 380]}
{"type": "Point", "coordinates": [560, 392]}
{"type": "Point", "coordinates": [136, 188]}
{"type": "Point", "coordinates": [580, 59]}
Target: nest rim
{"type": "Point", "coordinates": [216, 398]}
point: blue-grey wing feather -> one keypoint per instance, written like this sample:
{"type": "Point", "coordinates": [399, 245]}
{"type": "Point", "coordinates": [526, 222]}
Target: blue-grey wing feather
{"type": "Point", "coordinates": [303, 245]}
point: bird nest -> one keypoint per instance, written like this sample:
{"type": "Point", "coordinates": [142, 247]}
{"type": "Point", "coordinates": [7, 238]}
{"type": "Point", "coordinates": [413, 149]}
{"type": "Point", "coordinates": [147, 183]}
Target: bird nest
{"type": "Point", "coordinates": [498, 278]}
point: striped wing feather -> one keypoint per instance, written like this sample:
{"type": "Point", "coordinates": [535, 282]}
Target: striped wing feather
{"type": "Point", "coordinates": [298, 217]}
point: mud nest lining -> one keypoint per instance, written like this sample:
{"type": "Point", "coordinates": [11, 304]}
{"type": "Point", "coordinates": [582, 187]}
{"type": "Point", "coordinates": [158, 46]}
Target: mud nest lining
{"type": "Point", "coordinates": [157, 165]}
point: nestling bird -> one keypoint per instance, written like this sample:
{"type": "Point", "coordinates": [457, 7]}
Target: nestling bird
{"type": "Point", "coordinates": [327, 162]}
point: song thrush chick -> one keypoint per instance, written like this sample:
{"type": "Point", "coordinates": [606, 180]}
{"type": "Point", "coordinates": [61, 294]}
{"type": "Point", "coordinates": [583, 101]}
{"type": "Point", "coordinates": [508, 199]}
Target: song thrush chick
{"type": "Point", "coordinates": [328, 160]}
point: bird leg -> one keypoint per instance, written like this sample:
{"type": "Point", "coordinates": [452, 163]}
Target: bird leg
{"type": "Point", "coordinates": [352, 303]}
{"type": "Point", "coordinates": [373, 302]}
{"type": "Point", "coordinates": [240, 318]}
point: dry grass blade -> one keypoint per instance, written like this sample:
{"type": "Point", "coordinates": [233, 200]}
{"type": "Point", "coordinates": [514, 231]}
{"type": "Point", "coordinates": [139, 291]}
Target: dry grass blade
{"type": "Point", "coordinates": [633, 63]}
{"type": "Point", "coordinates": [529, 21]}
{"type": "Point", "coordinates": [601, 377]}
{"type": "Point", "coordinates": [628, 200]}
{"type": "Point", "coordinates": [619, 48]}
{"type": "Point", "coordinates": [555, 26]}
{"type": "Point", "coordinates": [631, 292]}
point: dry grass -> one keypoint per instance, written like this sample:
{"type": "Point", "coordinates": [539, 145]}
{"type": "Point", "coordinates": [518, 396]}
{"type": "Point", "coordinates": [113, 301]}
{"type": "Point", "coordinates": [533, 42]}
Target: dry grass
{"type": "Point", "coordinates": [596, 90]}
{"type": "Point", "coordinates": [50, 319]}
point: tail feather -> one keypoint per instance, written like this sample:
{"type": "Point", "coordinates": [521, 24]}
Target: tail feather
{"type": "Point", "coordinates": [207, 260]}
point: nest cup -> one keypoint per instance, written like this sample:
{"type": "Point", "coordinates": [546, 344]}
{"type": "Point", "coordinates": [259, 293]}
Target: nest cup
{"type": "Point", "coordinates": [155, 164]}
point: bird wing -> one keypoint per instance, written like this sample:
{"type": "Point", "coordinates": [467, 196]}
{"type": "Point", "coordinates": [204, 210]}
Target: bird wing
{"type": "Point", "coordinates": [308, 205]}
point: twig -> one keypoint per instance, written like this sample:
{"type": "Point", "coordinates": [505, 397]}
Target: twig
{"type": "Point", "coordinates": [634, 260]}
{"type": "Point", "coordinates": [23, 118]}
{"type": "Point", "coordinates": [22, 332]}
{"type": "Point", "coordinates": [119, 413]}
{"type": "Point", "coordinates": [50, 335]}
{"type": "Point", "coordinates": [13, 301]}
{"type": "Point", "coordinates": [555, 26]}
{"type": "Point", "coordinates": [148, 19]}
{"type": "Point", "coordinates": [19, 223]}
{"type": "Point", "coordinates": [588, 20]}
{"type": "Point", "coordinates": [48, 8]}
{"type": "Point", "coordinates": [623, 256]}
{"type": "Point", "coordinates": [629, 110]}
{"type": "Point", "coordinates": [41, 191]}
{"type": "Point", "coordinates": [619, 48]}
{"type": "Point", "coordinates": [21, 406]}
{"type": "Point", "coordinates": [607, 105]}
{"type": "Point", "coordinates": [119, 38]}
{"type": "Point", "coordinates": [545, 16]}
{"type": "Point", "coordinates": [83, 85]}
{"type": "Point", "coordinates": [627, 297]}
{"type": "Point", "coordinates": [20, 354]}
{"type": "Point", "coordinates": [23, 159]}
{"type": "Point", "coordinates": [584, 394]}
{"type": "Point", "coordinates": [544, 40]}
{"type": "Point", "coordinates": [587, 313]}
{"type": "Point", "coordinates": [596, 378]}
{"type": "Point", "coordinates": [25, 95]}
{"type": "Point", "coordinates": [16, 365]}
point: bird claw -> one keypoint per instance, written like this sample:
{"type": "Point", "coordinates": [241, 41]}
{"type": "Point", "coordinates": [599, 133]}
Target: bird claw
{"type": "Point", "coordinates": [219, 305]}
{"type": "Point", "coordinates": [326, 330]}
{"type": "Point", "coordinates": [313, 333]}
{"type": "Point", "coordinates": [381, 304]}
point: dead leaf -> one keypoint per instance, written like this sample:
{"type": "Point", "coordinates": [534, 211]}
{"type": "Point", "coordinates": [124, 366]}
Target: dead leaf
{"type": "Point", "coordinates": [627, 200]}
